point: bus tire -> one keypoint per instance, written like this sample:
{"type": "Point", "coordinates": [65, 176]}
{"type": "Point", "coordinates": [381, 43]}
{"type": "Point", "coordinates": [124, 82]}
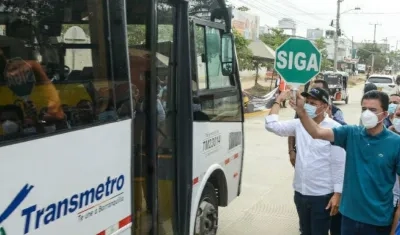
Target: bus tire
{"type": "Point", "coordinates": [207, 212]}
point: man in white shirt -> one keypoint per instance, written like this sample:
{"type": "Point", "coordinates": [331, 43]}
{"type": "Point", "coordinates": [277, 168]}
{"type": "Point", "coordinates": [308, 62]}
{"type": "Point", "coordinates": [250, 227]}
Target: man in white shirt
{"type": "Point", "coordinates": [319, 169]}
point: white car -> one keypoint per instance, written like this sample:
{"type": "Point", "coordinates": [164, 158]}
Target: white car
{"type": "Point", "coordinates": [385, 83]}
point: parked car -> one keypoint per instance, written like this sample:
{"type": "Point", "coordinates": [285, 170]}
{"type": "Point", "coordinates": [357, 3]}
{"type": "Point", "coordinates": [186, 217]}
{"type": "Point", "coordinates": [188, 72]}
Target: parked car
{"type": "Point", "coordinates": [385, 83]}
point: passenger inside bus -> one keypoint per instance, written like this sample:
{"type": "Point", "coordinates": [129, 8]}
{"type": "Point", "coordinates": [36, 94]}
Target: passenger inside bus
{"type": "Point", "coordinates": [12, 121]}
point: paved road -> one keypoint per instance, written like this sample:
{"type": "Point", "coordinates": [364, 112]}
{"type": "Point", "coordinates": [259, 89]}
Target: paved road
{"type": "Point", "coordinates": [266, 205]}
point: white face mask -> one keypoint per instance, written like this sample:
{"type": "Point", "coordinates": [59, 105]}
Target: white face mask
{"type": "Point", "coordinates": [369, 119]}
{"type": "Point", "coordinates": [396, 124]}
{"type": "Point", "coordinates": [10, 127]}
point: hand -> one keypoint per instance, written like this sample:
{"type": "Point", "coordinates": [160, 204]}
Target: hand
{"type": "Point", "coordinates": [292, 158]}
{"type": "Point", "coordinates": [334, 204]}
{"type": "Point", "coordinates": [298, 103]}
{"type": "Point", "coordinates": [282, 96]}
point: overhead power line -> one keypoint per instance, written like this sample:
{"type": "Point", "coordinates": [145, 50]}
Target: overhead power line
{"type": "Point", "coordinates": [353, 13]}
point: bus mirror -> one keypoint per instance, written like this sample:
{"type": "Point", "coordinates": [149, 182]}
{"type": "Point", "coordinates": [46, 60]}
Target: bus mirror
{"type": "Point", "coordinates": [227, 47]}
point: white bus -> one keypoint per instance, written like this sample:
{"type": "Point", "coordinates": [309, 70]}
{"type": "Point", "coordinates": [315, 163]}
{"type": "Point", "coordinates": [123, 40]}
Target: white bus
{"type": "Point", "coordinates": [117, 117]}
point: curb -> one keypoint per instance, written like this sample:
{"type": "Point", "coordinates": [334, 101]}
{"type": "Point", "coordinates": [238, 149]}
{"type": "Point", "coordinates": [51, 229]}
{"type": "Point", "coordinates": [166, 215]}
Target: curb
{"type": "Point", "coordinates": [256, 114]}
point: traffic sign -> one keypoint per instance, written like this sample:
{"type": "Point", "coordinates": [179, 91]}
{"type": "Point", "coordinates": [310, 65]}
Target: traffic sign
{"type": "Point", "coordinates": [297, 61]}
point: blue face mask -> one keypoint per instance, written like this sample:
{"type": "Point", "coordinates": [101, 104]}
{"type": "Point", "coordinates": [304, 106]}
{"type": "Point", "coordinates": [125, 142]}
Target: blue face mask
{"type": "Point", "coordinates": [392, 108]}
{"type": "Point", "coordinates": [310, 110]}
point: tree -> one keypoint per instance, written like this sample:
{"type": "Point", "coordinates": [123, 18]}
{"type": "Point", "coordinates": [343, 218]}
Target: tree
{"type": "Point", "coordinates": [275, 38]}
{"type": "Point", "coordinates": [321, 45]}
{"type": "Point", "coordinates": [365, 52]}
{"type": "Point", "coordinates": [244, 54]}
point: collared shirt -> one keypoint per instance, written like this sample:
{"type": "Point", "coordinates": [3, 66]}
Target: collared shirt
{"type": "Point", "coordinates": [387, 122]}
{"type": "Point", "coordinates": [337, 114]}
{"type": "Point", "coordinates": [319, 165]}
{"type": "Point", "coordinates": [371, 166]}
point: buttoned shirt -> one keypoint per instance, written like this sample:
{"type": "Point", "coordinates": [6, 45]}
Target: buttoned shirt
{"type": "Point", "coordinates": [319, 168]}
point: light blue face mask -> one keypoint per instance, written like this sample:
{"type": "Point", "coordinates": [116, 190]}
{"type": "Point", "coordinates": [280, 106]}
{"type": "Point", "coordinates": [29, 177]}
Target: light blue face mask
{"type": "Point", "coordinates": [392, 108]}
{"type": "Point", "coordinates": [396, 124]}
{"type": "Point", "coordinates": [310, 110]}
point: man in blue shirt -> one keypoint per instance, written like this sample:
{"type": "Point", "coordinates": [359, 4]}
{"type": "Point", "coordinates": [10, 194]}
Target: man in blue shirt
{"type": "Point", "coordinates": [372, 161]}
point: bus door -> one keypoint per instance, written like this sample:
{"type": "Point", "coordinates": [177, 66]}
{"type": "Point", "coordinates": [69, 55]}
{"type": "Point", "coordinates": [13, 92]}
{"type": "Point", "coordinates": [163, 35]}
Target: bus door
{"type": "Point", "coordinates": [150, 31]}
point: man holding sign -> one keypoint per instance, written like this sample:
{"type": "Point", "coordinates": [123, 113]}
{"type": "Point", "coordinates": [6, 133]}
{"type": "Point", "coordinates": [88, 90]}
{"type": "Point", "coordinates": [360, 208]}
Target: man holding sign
{"type": "Point", "coordinates": [319, 168]}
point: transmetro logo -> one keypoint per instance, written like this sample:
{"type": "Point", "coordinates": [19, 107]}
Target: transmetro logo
{"type": "Point", "coordinates": [18, 199]}
{"type": "Point", "coordinates": [85, 205]}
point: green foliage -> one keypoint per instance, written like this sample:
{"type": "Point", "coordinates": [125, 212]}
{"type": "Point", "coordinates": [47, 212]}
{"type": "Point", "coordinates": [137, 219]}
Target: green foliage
{"type": "Point", "coordinates": [244, 54]}
{"type": "Point", "coordinates": [365, 56]}
{"type": "Point", "coordinates": [321, 45]}
{"type": "Point", "coordinates": [394, 60]}
{"type": "Point", "coordinates": [364, 53]}
{"type": "Point", "coordinates": [275, 38]}
{"type": "Point", "coordinates": [243, 8]}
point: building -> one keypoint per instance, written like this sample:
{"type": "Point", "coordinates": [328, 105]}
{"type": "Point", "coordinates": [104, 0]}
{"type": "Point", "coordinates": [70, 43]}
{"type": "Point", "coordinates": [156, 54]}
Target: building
{"type": "Point", "coordinates": [265, 29]}
{"type": "Point", "coordinates": [288, 24]}
{"type": "Point", "coordinates": [247, 24]}
{"type": "Point", "coordinates": [314, 34]}
{"type": "Point", "coordinates": [345, 56]}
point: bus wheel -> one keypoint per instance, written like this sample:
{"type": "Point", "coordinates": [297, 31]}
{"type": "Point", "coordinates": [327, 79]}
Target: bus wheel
{"type": "Point", "coordinates": [207, 212]}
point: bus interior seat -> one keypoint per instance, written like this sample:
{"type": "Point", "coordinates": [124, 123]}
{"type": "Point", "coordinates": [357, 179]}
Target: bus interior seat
{"type": "Point", "coordinates": [74, 75]}
{"type": "Point", "coordinates": [87, 73]}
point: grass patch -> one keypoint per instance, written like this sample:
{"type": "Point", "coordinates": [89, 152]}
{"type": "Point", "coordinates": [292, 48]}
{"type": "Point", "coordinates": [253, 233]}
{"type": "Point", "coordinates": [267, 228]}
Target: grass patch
{"type": "Point", "coordinates": [355, 80]}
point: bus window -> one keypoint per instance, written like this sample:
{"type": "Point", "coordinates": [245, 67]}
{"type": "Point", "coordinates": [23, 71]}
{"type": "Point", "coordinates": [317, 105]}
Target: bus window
{"type": "Point", "coordinates": [54, 68]}
{"type": "Point", "coordinates": [219, 98]}
{"type": "Point", "coordinates": [140, 65]}
{"type": "Point", "coordinates": [166, 123]}
{"type": "Point", "coordinates": [201, 56]}
{"type": "Point", "coordinates": [214, 68]}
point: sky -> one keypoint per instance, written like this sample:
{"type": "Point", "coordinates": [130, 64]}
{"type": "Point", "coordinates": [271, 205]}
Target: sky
{"type": "Point", "coordinates": [357, 24]}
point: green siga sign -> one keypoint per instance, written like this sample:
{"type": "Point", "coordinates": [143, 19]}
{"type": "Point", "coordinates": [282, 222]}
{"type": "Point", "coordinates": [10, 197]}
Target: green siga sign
{"type": "Point", "coordinates": [297, 60]}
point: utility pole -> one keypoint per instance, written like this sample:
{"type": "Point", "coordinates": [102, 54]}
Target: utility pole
{"type": "Point", "coordinates": [353, 56]}
{"type": "Point", "coordinates": [372, 63]}
{"type": "Point", "coordinates": [376, 24]}
{"type": "Point", "coordinates": [337, 31]}
{"type": "Point", "coordinates": [373, 54]}
{"type": "Point", "coordinates": [386, 44]}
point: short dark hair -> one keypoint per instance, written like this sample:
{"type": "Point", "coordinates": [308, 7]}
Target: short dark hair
{"type": "Point", "coordinates": [370, 87]}
{"type": "Point", "coordinates": [377, 95]}
{"type": "Point", "coordinates": [13, 108]}
{"type": "Point", "coordinates": [324, 83]}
